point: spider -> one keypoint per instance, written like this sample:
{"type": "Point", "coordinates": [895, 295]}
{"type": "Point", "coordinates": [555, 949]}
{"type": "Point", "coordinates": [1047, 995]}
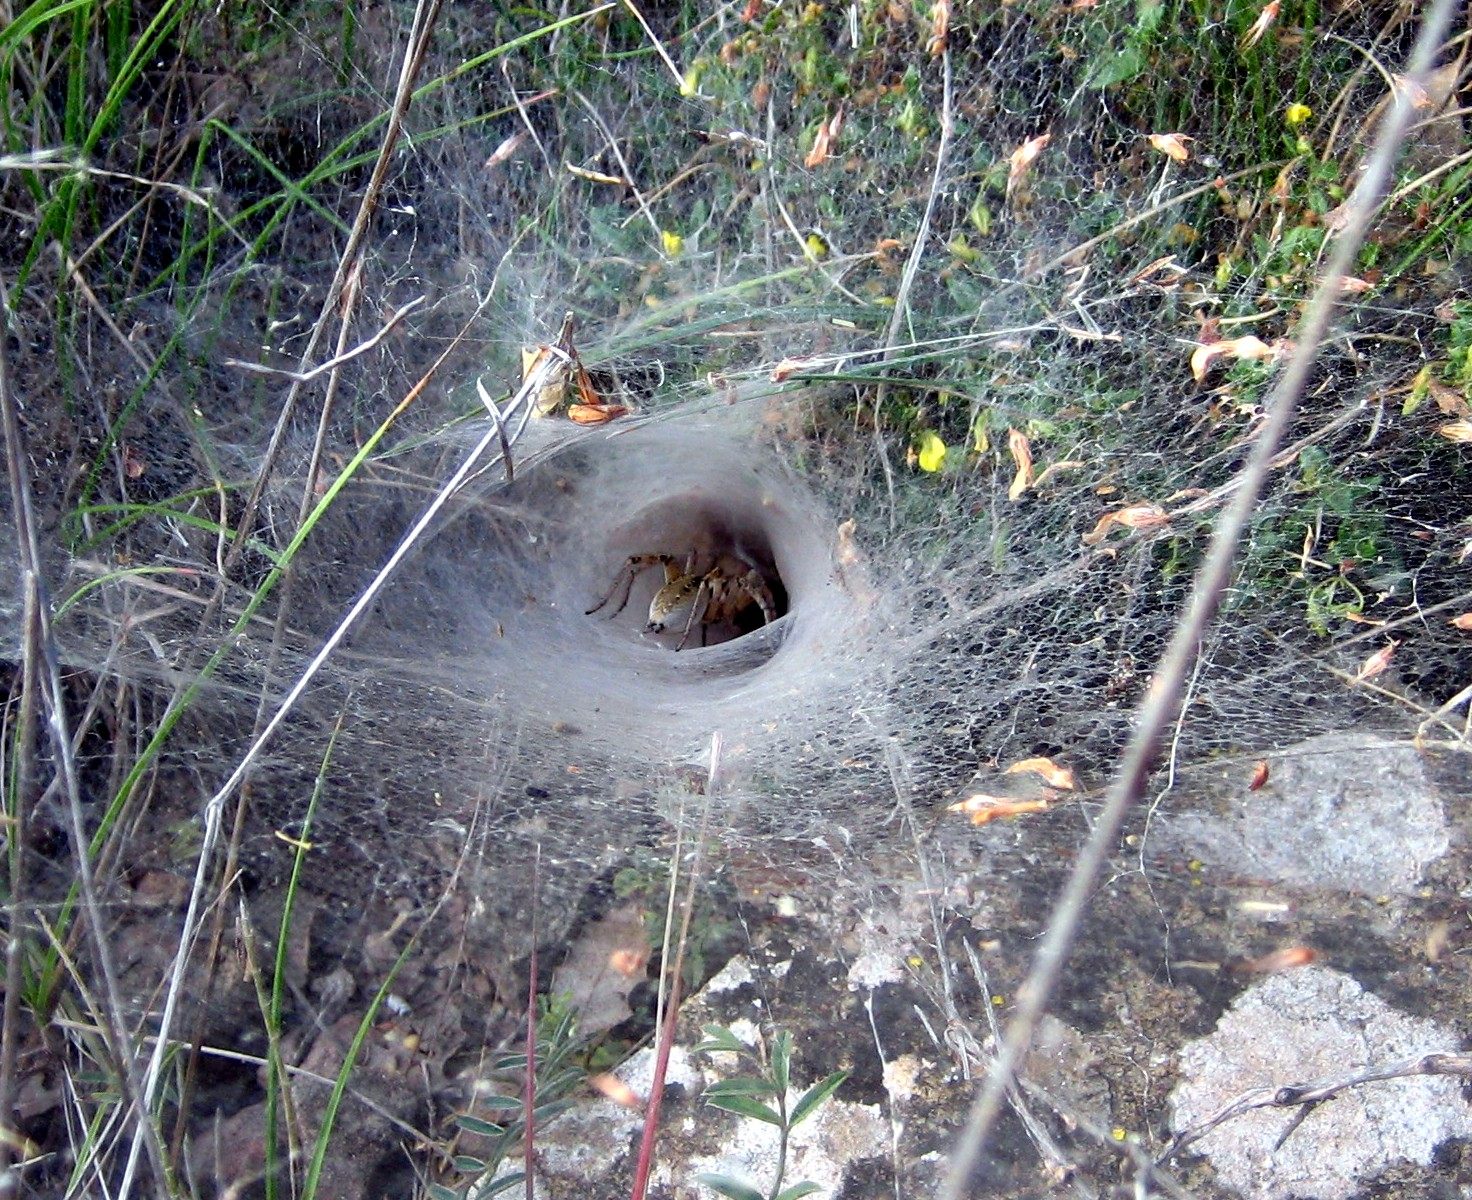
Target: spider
{"type": "Point", "coordinates": [715, 596]}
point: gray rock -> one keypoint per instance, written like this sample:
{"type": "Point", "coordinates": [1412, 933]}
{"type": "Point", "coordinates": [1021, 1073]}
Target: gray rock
{"type": "Point", "coordinates": [1301, 1026]}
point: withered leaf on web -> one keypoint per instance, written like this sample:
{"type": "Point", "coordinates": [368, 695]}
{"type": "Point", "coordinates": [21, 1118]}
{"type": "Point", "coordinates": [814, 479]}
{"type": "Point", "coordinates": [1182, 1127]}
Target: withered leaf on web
{"type": "Point", "coordinates": [1053, 775]}
{"type": "Point", "coordinates": [1020, 161]}
{"type": "Point", "coordinates": [553, 391]}
{"type": "Point", "coordinates": [1376, 663]}
{"type": "Point", "coordinates": [603, 967]}
{"type": "Point", "coordinates": [940, 28]}
{"type": "Point", "coordinates": [1259, 775]}
{"type": "Point", "coordinates": [825, 140]}
{"type": "Point", "coordinates": [1172, 145]}
{"type": "Point", "coordinates": [1456, 431]}
{"type": "Point", "coordinates": [1463, 622]}
{"type": "Point", "coordinates": [594, 414]}
{"type": "Point", "coordinates": [1134, 516]}
{"type": "Point", "coordinates": [982, 808]}
{"type": "Point", "coordinates": [1248, 347]}
{"type": "Point", "coordinates": [1264, 22]}
{"type": "Point", "coordinates": [1017, 443]}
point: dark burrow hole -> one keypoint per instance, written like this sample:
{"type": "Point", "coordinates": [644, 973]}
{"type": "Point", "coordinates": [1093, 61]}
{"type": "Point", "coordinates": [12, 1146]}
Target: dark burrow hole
{"type": "Point", "coordinates": [717, 565]}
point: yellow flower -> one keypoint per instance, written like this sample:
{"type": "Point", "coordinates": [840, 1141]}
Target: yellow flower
{"type": "Point", "coordinates": [932, 451]}
{"type": "Point", "coordinates": [1296, 115]}
{"type": "Point", "coordinates": [673, 242]}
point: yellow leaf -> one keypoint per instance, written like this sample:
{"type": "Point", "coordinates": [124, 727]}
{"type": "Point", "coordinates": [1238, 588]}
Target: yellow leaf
{"type": "Point", "coordinates": [1053, 775]}
{"type": "Point", "coordinates": [931, 451]}
{"type": "Point", "coordinates": [1022, 454]}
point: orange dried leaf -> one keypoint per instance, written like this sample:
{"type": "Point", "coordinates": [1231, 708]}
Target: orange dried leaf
{"type": "Point", "coordinates": [940, 28]}
{"type": "Point", "coordinates": [1463, 622]}
{"type": "Point", "coordinates": [1282, 960]}
{"type": "Point", "coordinates": [1053, 775]}
{"type": "Point", "coordinates": [1259, 775]}
{"type": "Point", "coordinates": [1135, 516]}
{"type": "Point", "coordinates": [823, 142]}
{"type": "Point", "coordinates": [1456, 431]}
{"type": "Point", "coordinates": [1353, 285]}
{"type": "Point", "coordinates": [1260, 26]}
{"type": "Point", "coordinates": [1021, 454]}
{"type": "Point", "coordinates": [615, 1089]}
{"type": "Point", "coordinates": [1020, 160]}
{"type": "Point", "coordinates": [1172, 145]}
{"type": "Point", "coordinates": [1248, 347]}
{"type": "Point", "coordinates": [982, 808]}
{"type": "Point", "coordinates": [1376, 663]}
{"type": "Point", "coordinates": [594, 414]}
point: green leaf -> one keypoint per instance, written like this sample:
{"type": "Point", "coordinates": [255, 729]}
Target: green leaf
{"type": "Point", "coordinates": [732, 1189]}
{"type": "Point", "coordinates": [439, 1191]}
{"type": "Point", "coordinates": [744, 1106]}
{"type": "Point", "coordinates": [743, 1086]}
{"type": "Point", "coordinates": [782, 1057]}
{"type": "Point", "coordinates": [500, 1103]}
{"type": "Point", "coordinates": [1120, 67]}
{"type": "Point", "coordinates": [467, 1164]}
{"type": "Point", "coordinates": [497, 1186]}
{"type": "Point", "coordinates": [798, 1190]}
{"type": "Point", "coordinates": [815, 1096]}
{"type": "Point", "coordinates": [477, 1125]}
{"type": "Point", "coordinates": [722, 1040]}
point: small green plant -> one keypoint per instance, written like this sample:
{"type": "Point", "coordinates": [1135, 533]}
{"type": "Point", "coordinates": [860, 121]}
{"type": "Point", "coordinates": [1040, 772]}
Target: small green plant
{"type": "Point", "coordinates": [762, 1096]}
{"type": "Point", "coordinates": [503, 1130]}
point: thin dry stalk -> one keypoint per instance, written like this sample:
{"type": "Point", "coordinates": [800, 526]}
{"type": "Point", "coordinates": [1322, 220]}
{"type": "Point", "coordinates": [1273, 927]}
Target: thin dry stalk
{"type": "Point", "coordinates": [53, 697]}
{"type": "Point", "coordinates": [1160, 705]}
{"type": "Point", "coordinates": [666, 1028]}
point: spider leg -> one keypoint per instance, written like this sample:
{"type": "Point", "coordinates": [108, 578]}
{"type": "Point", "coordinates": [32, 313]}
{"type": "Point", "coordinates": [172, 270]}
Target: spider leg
{"type": "Point", "coordinates": [636, 565]}
{"type": "Point", "coordinates": [754, 586]}
{"type": "Point", "coordinates": [704, 594]}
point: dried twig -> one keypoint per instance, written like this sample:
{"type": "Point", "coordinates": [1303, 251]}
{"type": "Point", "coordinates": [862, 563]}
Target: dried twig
{"type": "Point", "coordinates": [1160, 705]}
{"type": "Point", "coordinates": [332, 363]}
{"type": "Point", "coordinates": [1307, 1096]}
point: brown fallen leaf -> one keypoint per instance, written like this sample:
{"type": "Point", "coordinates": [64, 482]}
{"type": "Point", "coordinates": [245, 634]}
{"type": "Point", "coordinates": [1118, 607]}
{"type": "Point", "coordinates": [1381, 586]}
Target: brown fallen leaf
{"type": "Point", "coordinates": [1021, 454]}
{"type": "Point", "coordinates": [1414, 92]}
{"type": "Point", "coordinates": [1259, 775]}
{"type": "Point", "coordinates": [1353, 285]}
{"type": "Point", "coordinates": [1449, 401]}
{"type": "Point", "coordinates": [982, 808]}
{"type": "Point", "coordinates": [1456, 431]}
{"type": "Point", "coordinates": [1053, 775]}
{"type": "Point", "coordinates": [1376, 663]}
{"type": "Point", "coordinates": [1438, 940]}
{"type": "Point", "coordinates": [1020, 161]}
{"type": "Point", "coordinates": [1135, 516]}
{"type": "Point", "coordinates": [1172, 145]}
{"type": "Point", "coordinates": [553, 392]}
{"type": "Point", "coordinates": [790, 366]}
{"type": "Point", "coordinates": [1463, 622]}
